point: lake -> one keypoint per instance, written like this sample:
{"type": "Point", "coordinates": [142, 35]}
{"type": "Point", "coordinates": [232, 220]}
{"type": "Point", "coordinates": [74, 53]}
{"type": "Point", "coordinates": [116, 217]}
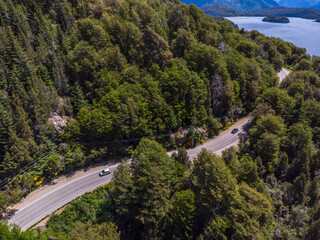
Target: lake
{"type": "Point", "coordinates": [303, 33]}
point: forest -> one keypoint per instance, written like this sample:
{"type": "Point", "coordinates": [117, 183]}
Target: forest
{"type": "Point", "coordinates": [88, 80]}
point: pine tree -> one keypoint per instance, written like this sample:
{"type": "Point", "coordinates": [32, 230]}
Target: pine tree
{"type": "Point", "coordinates": [142, 192]}
{"type": "Point", "coordinates": [3, 73]}
{"type": "Point", "coordinates": [20, 118]}
{"type": "Point", "coordinates": [300, 188]}
{"type": "Point", "coordinates": [183, 158]}
{"type": "Point", "coordinates": [14, 79]}
{"type": "Point", "coordinates": [8, 166]}
{"type": "Point", "coordinates": [181, 217]}
{"type": "Point", "coordinates": [18, 149]}
{"type": "Point", "coordinates": [314, 192]}
{"type": "Point", "coordinates": [4, 199]}
{"type": "Point", "coordinates": [77, 98]}
{"type": "Point", "coordinates": [214, 186]}
{"type": "Point", "coordinates": [6, 122]}
{"type": "Point", "coordinates": [44, 74]}
{"type": "Point", "coordinates": [171, 121]}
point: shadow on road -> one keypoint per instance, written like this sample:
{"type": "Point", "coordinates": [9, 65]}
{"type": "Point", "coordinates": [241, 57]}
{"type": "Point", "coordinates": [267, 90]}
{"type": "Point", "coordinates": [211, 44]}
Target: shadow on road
{"type": "Point", "coordinates": [8, 213]}
{"type": "Point", "coordinates": [245, 127]}
{"type": "Point", "coordinates": [101, 163]}
{"type": "Point", "coordinates": [86, 168]}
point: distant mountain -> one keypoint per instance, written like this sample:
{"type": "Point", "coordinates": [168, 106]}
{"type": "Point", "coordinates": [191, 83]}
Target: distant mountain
{"type": "Point", "coordinates": [238, 5]}
{"type": "Point", "coordinates": [198, 3]}
{"type": "Point", "coordinates": [309, 13]}
{"type": "Point", "coordinates": [298, 3]}
{"type": "Point", "coordinates": [219, 10]}
{"type": "Point", "coordinates": [317, 6]}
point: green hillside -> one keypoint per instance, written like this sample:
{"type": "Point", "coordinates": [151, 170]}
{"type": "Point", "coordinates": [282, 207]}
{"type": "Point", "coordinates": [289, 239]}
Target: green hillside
{"type": "Point", "coordinates": [118, 71]}
{"type": "Point", "coordinates": [118, 77]}
{"type": "Point", "coordinates": [219, 10]}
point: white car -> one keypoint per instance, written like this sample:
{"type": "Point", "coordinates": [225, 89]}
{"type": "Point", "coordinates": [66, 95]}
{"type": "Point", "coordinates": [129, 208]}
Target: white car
{"type": "Point", "coordinates": [104, 172]}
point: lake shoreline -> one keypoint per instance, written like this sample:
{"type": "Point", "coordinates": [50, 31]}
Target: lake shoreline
{"type": "Point", "coordinates": [295, 32]}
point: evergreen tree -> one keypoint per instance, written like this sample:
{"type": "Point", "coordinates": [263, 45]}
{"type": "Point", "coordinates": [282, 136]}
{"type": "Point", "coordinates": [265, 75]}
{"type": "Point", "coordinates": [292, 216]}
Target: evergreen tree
{"type": "Point", "coordinates": [142, 192]}
{"type": "Point", "coordinates": [313, 192]}
{"type": "Point", "coordinates": [3, 200]}
{"type": "Point", "coordinates": [77, 98]}
{"type": "Point", "coordinates": [300, 188]}
{"type": "Point", "coordinates": [210, 174]}
{"type": "Point", "coordinates": [8, 166]}
{"type": "Point", "coordinates": [183, 158]}
{"type": "Point", "coordinates": [181, 217]}
{"type": "Point", "coordinates": [18, 149]}
{"type": "Point", "coordinates": [20, 118]}
{"type": "Point", "coordinates": [6, 122]}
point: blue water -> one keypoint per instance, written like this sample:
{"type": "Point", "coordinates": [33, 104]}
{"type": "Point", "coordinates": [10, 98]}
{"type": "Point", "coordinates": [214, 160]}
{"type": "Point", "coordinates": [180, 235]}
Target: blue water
{"type": "Point", "coordinates": [303, 33]}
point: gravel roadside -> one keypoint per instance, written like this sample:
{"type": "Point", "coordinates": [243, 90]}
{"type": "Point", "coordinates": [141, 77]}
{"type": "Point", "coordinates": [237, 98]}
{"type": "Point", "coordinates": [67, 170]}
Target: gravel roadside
{"type": "Point", "coordinates": [88, 170]}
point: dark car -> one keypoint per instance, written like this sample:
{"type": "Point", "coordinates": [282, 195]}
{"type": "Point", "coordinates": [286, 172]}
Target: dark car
{"type": "Point", "coordinates": [234, 130]}
{"type": "Point", "coordinates": [104, 172]}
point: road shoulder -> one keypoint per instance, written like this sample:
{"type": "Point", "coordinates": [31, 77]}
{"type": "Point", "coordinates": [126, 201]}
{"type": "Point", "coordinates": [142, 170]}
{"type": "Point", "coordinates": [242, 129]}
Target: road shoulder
{"type": "Point", "coordinates": [63, 180]}
{"type": "Point", "coordinates": [59, 182]}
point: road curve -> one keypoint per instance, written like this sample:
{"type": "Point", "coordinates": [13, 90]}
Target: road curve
{"type": "Point", "coordinates": [225, 140]}
{"type": "Point", "coordinates": [45, 205]}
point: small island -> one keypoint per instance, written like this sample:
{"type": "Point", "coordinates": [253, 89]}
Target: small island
{"type": "Point", "coordinates": [276, 19]}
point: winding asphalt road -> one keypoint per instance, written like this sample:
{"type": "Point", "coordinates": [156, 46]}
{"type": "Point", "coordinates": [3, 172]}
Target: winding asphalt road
{"type": "Point", "coordinates": [225, 140]}
{"type": "Point", "coordinates": [45, 205]}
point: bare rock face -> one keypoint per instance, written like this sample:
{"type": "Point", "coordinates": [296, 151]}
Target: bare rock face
{"type": "Point", "coordinates": [57, 121]}
{"type": "Point", "coordinates": [217, 92]}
